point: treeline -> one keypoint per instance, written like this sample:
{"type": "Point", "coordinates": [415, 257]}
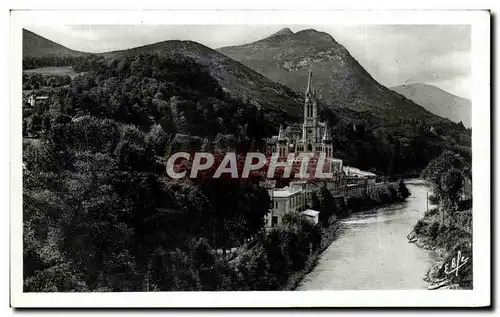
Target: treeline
{"type": "Point", "coordinates": [37, 81]}
{"type": "Point", "coordinates": [404, 146]}
{"type": "Point", "coordinates": [81, 63]}
{"type": "Point", "coordinates": [382, 195]}
{"type": "Point", "coordinates": [449, 225]}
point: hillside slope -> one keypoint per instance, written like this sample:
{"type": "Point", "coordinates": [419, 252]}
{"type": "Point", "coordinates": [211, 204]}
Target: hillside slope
{"type": "Point", "coordinates": [286, 57]}
{"type": "Point", "coordinates": [35, 45]}
{"type": "Point", "coordinates": [235, 78]}
{"type": "Point", "coordinates": [373, 128]}
{"type": "Point", "coordinates": [438, 101]}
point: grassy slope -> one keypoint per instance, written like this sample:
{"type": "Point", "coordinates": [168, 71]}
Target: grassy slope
{"type": "Point", "coordinates": [35, 45]}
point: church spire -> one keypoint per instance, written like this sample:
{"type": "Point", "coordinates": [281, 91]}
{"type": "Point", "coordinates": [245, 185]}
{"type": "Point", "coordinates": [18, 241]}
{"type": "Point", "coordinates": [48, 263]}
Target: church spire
{"type": "Point", "coordinates": [281, 134]}
{"type": "Point", "coordinates": [309, 81]}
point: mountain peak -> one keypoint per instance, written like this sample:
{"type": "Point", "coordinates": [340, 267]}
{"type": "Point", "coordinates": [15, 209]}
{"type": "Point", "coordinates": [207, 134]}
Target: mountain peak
{"type": "Point", "coordinates": [312, 34]}
{"type": "Point", "coordinates": [283, 32]}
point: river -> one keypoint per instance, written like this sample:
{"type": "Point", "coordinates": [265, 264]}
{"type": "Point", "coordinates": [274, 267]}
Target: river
{"type": "Point", "coordinates": [372, 251]}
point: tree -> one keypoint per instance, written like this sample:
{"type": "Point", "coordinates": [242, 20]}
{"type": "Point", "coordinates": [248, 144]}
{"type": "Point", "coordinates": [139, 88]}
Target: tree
{"type": "Point", "coordinates": [253, 267]}
{"type": "Point", "coordinates": [328, 205]}
{"type": "Point", "coordinates": [446, 174]}
{"type": "Point", "coordinates": [439, 166]}
{"type": "Point", "coordinates": [211, 269]}
{"type": "Point", "coordinates": [315, 202]}
{"type": "Point", "coordinates": [157, 138]}
{"type": "Point", "coordinates": [173, 271]}
{"type": "Point", "coordinates": [451, 186]}
{"type": "Point", "coordinates": [403, 191]}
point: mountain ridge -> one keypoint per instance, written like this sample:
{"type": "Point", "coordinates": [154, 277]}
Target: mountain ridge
{"type": "Point", "coordinates": [236, 78]}
{"type": "Point", "coordinates": [372, 126]}
{"type": "Point", "coordinates": [438, 101]}
{"type": "Point", "coordinates": [35, 45]}
{"type": "Point", "coordinates": [338, 77]}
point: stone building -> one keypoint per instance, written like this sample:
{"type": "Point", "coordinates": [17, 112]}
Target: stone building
{"type": "Point", "coordinates": [315, 138]}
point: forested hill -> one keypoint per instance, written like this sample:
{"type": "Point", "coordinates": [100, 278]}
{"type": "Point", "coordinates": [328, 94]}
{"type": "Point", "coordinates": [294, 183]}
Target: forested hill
{"type": "Point", "coordinates": [235, 78]}
{"type": "Point", "coordinates": [99, 212]}
{"type": "Point", "coordinates": [397, 135]}
{"type": "Point", "coordinates": [192, 79]}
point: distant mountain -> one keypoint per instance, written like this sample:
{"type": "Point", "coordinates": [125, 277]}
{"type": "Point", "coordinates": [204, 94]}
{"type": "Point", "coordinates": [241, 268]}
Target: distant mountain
{"type": "Point", "coordinates": [236, 79]}
{"type": "Point", "coordinates": [286, 58]}
{"type": "Point", "coordinates": [438, 101]}
{"type": "Point", "coordinates": [35, 45]}
{"type": "Point", "coordinates": [373, 127]}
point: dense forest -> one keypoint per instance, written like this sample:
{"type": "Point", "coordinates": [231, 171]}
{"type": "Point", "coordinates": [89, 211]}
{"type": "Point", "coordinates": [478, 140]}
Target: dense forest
{"type": "Point", "coordinates": [99, 212]}
{"type": "Point", "coordinates": [101, 215]}
{"type": "Point", "coordinates": [79, 63]}
{"type": "Point", "coordinates": [398, 146]}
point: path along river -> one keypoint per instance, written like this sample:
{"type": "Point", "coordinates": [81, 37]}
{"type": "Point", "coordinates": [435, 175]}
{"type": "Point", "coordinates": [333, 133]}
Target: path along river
{"type": "Point", "coordinates": [372, 251]}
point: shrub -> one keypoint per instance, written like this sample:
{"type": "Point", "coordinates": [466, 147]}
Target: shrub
{"type": "Point", "coordinates": [253, 268]}
{"type": "Point", "coordinates": [420, 227]}
{"type": "Point", "coordinates": [433, 230]}
{"type": "Point", "coordinates": [393, 193]}
{"type": "Point", "coordinates": [431, 212]}
{"type": "Point", "coordinates": [385, 195]}
{"type": "Point", "coordinates": [403, 191]}
{"type": "Point", "coordinates": [433, 199]}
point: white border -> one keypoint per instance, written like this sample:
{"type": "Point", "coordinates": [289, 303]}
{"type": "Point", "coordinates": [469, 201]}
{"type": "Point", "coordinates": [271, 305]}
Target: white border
{"type": "Point", "coordinates": [479, 296]}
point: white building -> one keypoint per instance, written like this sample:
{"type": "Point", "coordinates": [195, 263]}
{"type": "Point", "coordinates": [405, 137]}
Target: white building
{"type": "Point", "coordinates": [312, 215]}
{"type": "Point", "coordinates": [285, 200]}
{"type": "Point", "coordinates": [32, 99]}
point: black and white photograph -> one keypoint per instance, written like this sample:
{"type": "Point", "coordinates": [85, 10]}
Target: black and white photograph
{"type": "Point", "coordinates": [224, 158]}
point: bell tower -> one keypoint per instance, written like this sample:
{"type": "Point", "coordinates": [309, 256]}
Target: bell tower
{"type": "Point", "coordinates": [327, 142]}
{"type": "Point", "coordinates": [309, 130]}
{"type": "Point", "coordinates": [282, 144]}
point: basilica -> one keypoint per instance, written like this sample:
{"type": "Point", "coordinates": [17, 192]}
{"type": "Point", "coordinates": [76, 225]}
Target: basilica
{"type": "Point", "coordinates": [316, 137]}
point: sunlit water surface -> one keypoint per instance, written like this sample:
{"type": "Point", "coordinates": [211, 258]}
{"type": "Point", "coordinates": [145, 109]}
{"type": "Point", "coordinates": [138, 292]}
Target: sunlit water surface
{"type": "Point", "coordinates": [372, 252]}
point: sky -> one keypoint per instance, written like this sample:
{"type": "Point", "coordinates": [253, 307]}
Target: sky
{"type": "Point", "coordinates": [394, 55]}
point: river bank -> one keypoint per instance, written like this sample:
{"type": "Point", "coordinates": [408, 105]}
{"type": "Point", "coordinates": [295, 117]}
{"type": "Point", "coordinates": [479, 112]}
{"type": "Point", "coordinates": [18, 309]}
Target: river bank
{"type": "Point", "coordinates": [391, 195]}
{"type": "Point", "coordinates": [371, 251]}
{"type": "Point", "coordinates": [328, 237]}
{"type": "Point", "coordinates": [431, 276]}
{"type": "Point", "coordinates": [429, 237]}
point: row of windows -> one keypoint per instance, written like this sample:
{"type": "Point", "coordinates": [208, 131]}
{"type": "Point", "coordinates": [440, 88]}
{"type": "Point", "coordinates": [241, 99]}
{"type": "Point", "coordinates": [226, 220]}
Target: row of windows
{"type": "Point", "coordinates": [293, 201]}
{"type": "Point", "coordinates": [318, 148]}
{"type": "Point", "coordinates": [310, 110]}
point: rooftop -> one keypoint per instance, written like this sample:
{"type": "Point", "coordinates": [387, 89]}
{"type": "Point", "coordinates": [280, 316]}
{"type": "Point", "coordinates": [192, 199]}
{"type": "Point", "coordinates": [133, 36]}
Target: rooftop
{"type": "Point", "coordinates": [285, 192]}
{"type": "Point", "coordinates": [310, 212]}
{"type": "Point", "coordinates": [352, 171]}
